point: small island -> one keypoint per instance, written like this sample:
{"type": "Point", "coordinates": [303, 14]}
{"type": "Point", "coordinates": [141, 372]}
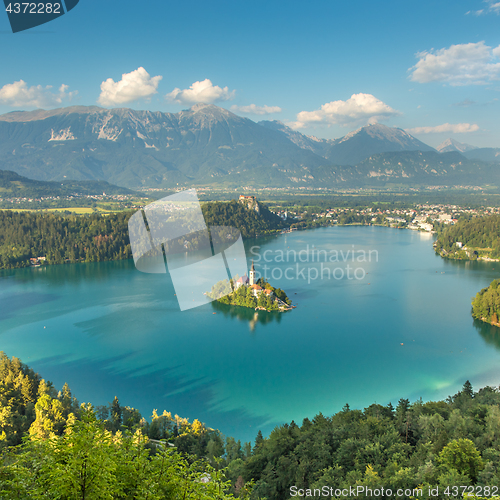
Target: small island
{"type": "Point", "coordinates": [246, 291]}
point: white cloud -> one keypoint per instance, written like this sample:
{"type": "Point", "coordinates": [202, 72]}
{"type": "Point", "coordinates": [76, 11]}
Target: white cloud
{"type": "Point", "coordinates": [492, 7]}
{"type": "Point", "coordinates": [203, 91]}
{"type": "Point", "coordinates": [360, 109]}
{"type": "Point", "coordinates": [18, 94]}
{"type": "Point", "coordinates": [463, 64]}
{"type": "Point", "coordinates": [456, 128]}
{"type": "Point", "coordinates": [132, 86]}
{"type": "Point", "coordinates": [253, 109]}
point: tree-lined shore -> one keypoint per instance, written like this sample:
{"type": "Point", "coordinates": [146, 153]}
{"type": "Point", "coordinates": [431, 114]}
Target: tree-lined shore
{"type": "Point", "coordinates": [70, 238]}
{"type": "Point", "coordinates": [470, 239]}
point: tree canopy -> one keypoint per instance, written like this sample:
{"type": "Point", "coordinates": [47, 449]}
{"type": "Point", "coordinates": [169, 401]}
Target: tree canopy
{"type": "Point", "coordinates": [53, 447]}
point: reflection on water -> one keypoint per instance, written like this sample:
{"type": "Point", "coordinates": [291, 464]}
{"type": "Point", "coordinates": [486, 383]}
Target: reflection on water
{"type": "Point", "coordinates": [66, 273]}
{"type": "Point", "coordinates": [12, 304]}
{"type": "Point", "coordinates": [247, 314]}
{"type": "Point", "coordinates": [489, 333]}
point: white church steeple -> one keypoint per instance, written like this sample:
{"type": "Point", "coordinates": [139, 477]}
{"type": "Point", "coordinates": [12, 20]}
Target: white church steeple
{"type": "Point", "coordinates": [252, 275]}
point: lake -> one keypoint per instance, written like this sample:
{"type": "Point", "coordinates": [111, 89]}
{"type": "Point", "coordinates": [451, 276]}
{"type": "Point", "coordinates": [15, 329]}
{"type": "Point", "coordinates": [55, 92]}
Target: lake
{"type": "Point", "coordinates": [395, 324]}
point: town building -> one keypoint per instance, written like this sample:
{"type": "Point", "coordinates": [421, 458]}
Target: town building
{"type": "Point", "coordinates": [250, 201]}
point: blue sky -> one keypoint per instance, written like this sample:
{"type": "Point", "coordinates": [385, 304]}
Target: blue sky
{"type": "Point", "coordinates": [324, 67]}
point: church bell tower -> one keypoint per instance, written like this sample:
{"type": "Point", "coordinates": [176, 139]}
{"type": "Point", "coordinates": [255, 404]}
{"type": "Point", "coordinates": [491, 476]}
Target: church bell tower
{"type": "Point", "coordinates": [252, 275]}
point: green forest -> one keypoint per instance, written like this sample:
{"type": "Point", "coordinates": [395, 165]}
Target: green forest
{"type": "Point", "coordinates": [236, 214]}
{"type": "Point", "coordinates": [486, 303]}
{"type": "Point", "coordinates": [69, 238]}
{"type": "Point", "coordinates": [62, 238]}
{"type": "Point", "coordinates": [480, 236]}
{"type": "Point", "coordinates": [52, 447]}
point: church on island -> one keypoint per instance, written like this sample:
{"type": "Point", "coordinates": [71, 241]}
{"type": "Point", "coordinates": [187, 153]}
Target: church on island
{"type": "Point", "coordinates": [248, 291]}
{"type": "Point", "coordinates": [252, 283]}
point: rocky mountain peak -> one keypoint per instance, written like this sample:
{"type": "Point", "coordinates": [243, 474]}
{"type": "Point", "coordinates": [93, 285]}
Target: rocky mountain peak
{"type": "Point", "coordinates": [453, 145]}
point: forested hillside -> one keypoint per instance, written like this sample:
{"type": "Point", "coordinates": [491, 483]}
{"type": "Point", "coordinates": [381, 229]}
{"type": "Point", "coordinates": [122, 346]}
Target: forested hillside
{"type": "Point", "coordinates": [91, 238]}
{"type": "Point", "coordinates": [236, 214]}
{"type": "Point", "coordinates": [421, 445]}
{"type": "Point", "coordinates": [480, 236]}
{"type": "Point", "coordinates": [62, 238]}
{"type": "Point", "coordinates": [78, 451]}
{"type": "Point", "coordinates": [486, 304]}
{"type": "Point", "coordinates": [14, 185]}
{"type": "Point", "coordinates": [52, 447]}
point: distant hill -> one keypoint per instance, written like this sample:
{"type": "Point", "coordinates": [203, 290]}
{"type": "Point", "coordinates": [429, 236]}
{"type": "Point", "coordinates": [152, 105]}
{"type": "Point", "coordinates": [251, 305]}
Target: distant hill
{"type": "Point", "coordinates": [484, 154]}
{"type": "Point", "coordinates": [247, 220]}
{"type": "Point", "coordinates": [429, 168]}
{"type": "Point", "coordinates": [13, 185]}
{"type": "Point", "coordinates": [451, 145]}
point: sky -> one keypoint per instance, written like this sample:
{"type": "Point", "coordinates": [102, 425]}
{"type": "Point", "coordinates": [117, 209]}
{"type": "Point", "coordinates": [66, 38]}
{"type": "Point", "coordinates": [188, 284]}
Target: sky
{"type": "Point", "coordinates": [324, 68]}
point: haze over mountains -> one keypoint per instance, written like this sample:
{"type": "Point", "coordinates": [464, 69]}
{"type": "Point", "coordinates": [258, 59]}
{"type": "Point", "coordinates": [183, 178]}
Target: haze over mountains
{"type": "Point", "coordinates": [208, 145]}
{"type": "Point", "coordinates": [355, 146]}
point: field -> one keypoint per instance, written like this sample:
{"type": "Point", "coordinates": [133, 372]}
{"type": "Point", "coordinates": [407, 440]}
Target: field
{"type": "Point", "coordinates": [75, 210]}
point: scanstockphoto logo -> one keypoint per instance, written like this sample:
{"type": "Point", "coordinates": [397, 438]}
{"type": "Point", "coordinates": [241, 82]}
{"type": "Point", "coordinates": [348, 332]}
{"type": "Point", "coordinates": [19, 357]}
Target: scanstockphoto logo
{"type": "Point", "coordinates": [312, 264]}
{"type": "Point", "coordinates": [172, 233]}
{"type": "Point", "coordinates": [26, 15]}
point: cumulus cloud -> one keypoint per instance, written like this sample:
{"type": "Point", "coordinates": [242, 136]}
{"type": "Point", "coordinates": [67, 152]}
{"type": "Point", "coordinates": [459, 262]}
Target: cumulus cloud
{"type": "Point", "coordinates": [463, 64]}
{"type": "Point", "coordinates": [203, 91]}
{"type": "Point", "coordinates": [253, 109]}
{"type": "Point", "coordinates": [132, 86]}
{"type": "Point", "coordinates": [360, 109]}
{"type": "Point", "coordinates": [456, 128]}
{"type": "Point", "coordinates": [18, 94]}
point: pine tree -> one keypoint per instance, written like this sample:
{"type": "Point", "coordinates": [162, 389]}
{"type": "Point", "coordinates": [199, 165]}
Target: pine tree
{"type": "Point", "coordinates": [467, 389]}
{"type": "Point", "coordinates": [116, 413]}
{"type": "Point", "coordinates": [43, 388]}
{"type": "Point", "coordinates": [258, 440]}
{"type": "Point", "coordinates": [28, 390]}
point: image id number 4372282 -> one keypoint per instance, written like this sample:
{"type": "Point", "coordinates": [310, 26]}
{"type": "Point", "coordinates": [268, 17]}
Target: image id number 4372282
{"type": "Point", "coordinates": [33, 8]}
{"type": "Point", "coordinates": [459, 491]}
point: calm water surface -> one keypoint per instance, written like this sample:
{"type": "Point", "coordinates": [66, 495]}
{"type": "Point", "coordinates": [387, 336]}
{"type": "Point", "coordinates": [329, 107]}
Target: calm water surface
{"type": "Point", "coordinates": [108, 330]}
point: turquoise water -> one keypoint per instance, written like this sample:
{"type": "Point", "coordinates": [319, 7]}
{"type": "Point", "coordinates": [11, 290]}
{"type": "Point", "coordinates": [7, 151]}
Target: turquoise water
{"type": "Point", "coordinates": [108, 330]}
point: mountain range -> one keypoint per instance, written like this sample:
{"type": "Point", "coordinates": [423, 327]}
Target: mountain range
{"type": "Point", "coordinates": [210, 146]}
{"type": "Point", "coordinates": [355, 146]}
